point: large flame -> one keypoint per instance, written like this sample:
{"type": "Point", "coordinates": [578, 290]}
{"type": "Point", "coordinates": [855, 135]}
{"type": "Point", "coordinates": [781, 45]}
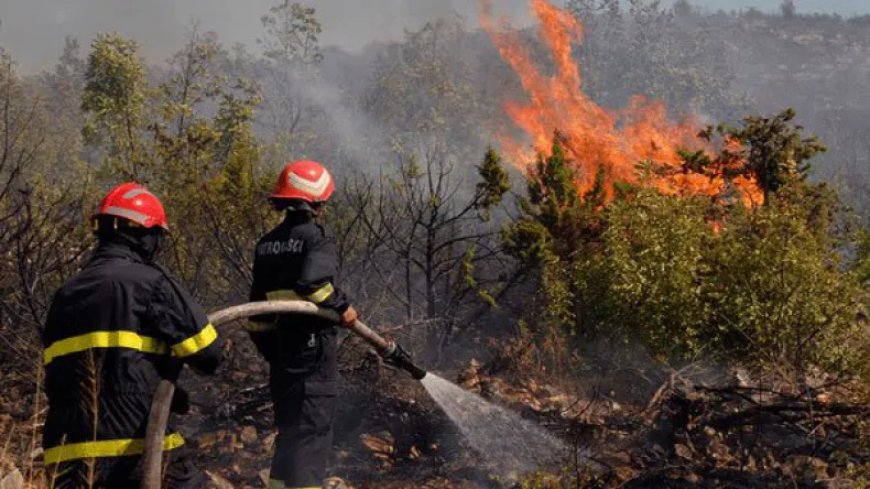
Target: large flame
{"type": "Point", "coordinates": [593, 137]}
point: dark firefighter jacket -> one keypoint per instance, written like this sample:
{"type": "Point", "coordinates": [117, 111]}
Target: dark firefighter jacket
{"type": "Point", "coordinates": [297, 260]}
{"type": "Point", "coordinates": [112, 333]}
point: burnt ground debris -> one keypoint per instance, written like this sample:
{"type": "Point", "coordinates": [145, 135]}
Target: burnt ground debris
{"type": "Point", "coordinates": [644, 429]}
{"type": "Point", "coordinates": [686, 428]}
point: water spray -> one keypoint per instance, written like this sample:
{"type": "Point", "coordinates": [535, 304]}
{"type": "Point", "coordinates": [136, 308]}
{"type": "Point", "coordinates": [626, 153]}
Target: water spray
{"type": "Point", "coordinates": [392, 353]}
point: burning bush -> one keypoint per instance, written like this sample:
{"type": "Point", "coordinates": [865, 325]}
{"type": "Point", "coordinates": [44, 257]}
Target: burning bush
{"type": "Point", "coordinates": [635, 224]}
{"type": "Point", "coordinates": [688, 276]}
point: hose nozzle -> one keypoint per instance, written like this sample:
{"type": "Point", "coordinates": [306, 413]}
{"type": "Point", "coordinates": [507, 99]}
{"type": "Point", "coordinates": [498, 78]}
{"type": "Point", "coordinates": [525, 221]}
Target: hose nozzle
{"type": "Point", "coordinates": [396, 356]}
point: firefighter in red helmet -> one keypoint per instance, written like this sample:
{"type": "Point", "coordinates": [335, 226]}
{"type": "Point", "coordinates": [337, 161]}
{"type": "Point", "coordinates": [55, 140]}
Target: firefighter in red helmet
{"type": "Point", "coordinates": [297, 260]}
{"type": "Point", "coordinates": [112, 333]}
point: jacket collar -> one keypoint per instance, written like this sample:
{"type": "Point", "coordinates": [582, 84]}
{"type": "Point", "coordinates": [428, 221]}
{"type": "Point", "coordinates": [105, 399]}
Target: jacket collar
{"type": "Point", "coordinates": [114, 249]}
{"type": "Point", "coordinates": [297, 218]}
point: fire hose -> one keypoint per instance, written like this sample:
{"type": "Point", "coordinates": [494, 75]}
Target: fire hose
{"type": "Point", "coordinates": [152, 460]}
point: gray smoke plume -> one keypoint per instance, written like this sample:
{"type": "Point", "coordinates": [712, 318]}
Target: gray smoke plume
{"type": "Point", "coordinates": [33, 30]}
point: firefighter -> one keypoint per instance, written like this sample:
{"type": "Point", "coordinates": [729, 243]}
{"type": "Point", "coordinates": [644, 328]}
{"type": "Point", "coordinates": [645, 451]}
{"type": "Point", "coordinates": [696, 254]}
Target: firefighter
{"type": "Point", "coordinates": [297, 260]}
{"type": "Point", "coordinates": [113, 332]}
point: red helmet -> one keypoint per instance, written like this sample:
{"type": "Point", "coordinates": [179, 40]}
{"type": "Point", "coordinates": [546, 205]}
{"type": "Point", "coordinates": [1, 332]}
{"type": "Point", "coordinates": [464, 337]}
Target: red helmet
{"type": "Point", "coordinates": [304, 180]}
{"type": "Point", "coordinates": [134, 203]}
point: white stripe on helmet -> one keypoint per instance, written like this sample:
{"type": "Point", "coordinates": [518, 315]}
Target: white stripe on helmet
{"type": "Point", "coordinates": [315, 188]}
{"type": "Point", "coordinates": [132, 215]}
{"type": "Point", "coordinates": [135, 193]}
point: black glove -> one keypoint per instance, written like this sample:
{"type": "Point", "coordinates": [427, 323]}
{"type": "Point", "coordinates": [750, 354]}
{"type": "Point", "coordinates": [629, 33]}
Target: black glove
{"type": "Point", "coordinates": [180, 401]}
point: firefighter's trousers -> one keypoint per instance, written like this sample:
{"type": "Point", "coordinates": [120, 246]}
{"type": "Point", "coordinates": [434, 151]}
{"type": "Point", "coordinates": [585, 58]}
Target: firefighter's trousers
{"type": "Point", "coordinates": [303, 415]}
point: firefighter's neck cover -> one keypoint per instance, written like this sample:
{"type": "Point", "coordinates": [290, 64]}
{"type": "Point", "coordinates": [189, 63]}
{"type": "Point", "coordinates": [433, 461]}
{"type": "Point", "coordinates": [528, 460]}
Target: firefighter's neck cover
{"type": "Point", "coordinates": [297, 260]}
{"type": "Point", "coordinates": [146, 243]}
{"type": "Point", "coordinates": [112, 333]}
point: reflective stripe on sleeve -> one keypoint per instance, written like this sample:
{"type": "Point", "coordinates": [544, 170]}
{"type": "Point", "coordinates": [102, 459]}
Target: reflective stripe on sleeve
{"type": "Point", "coordinates": [321, 294]}
{"type": "Point", "coordinates": [195, 343]}
{"type": "Point", "coordinates": [283, 295]}
{"type": "Point", "coordinates": [259, 327]}
{"type": "Point", "coordinates": [316, 297]}
{"type": "Point", "coordinates": [106, 448]}
{"type": "Point", "coordinates": [104, 339]}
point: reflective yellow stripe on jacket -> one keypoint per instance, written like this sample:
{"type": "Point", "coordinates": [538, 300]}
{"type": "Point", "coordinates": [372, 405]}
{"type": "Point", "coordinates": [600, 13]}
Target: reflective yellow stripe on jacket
{"type": "Point", "coordinates": [106, 448]}
{"type": "Point", "coordinates": [195, 343]}
{"type": "Point", "coordinates": [104, 339]}
{"type": "Point", "coordinates": [131, 340]}
{"type": "Point", "coordinates": [316, 297]}
{"type": "Point", "coordinates": [283, 295]}
{"type": "Point", "coordinates": [321, 294]}
{"type": "Point", "coordinates": [255, 327]}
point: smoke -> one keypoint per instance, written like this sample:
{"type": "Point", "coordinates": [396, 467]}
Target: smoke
{"type": "Point", "coordinates": [843, 7]}
{"type": "Point", "coordinates": [33, 30]}
{"type": "Point", "coordinates": [349, 125]}
{"type": "Point", "coordinates": [762, 71]}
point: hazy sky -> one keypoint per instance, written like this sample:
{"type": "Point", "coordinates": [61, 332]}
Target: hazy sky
{"type": "Point", "coordinates": [33, 30]}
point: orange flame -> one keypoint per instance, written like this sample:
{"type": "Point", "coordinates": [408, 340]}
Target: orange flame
{"type": "Point", "coordinates": [593, 137]}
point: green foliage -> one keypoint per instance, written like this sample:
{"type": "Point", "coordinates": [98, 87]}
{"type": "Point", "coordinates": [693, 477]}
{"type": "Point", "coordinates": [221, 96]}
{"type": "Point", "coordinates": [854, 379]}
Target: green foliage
{"type": "Point", "coordinates": [494, 181]}
{"type": "Point", "coordinates": [114, 99]}
{"type": "Point", "coordinates": [778, 293]}
{"type": "Point", "coordinates": [210, 174]}
{"type": "Point", "coordinates": [554, 204]}
{"type": "Point", "coordinates": [773, 150]}
{"type": "Point", "coordinates": [654, 263]}
{"type": "Point", "coordinates": [556, 234]}
{"type": "Point", "coordinates": [293, 32]}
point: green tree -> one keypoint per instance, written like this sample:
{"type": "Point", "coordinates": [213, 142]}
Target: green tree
{"type": "Point", "coordinates": [292, 34]}
{"type": "Point", "coordinates": [772, 150]}
{"type": "Point", "coordinates": [556, 235]}
{"type": "Point", "coordinates": [114, 102]}
{"type": "Point", "coordinates": [64, 86]}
